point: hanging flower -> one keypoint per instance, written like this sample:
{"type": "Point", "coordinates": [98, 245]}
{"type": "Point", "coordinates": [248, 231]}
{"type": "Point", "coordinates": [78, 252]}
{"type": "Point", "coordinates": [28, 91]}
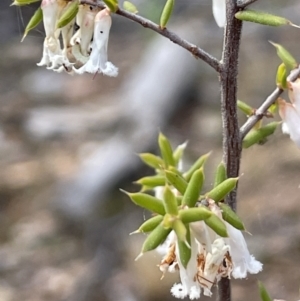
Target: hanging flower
{"type": "Point", "coordinates": [97, 62]}
{"type": "Point", "coordinates": [219, 12]}
{"type": "Point", "coordinates": [290, 112]}
{"type": "Point", "coordinates": [212, 257]}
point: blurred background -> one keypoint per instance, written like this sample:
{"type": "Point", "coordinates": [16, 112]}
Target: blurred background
{"type": "Point", "coordinates": [67, 144]}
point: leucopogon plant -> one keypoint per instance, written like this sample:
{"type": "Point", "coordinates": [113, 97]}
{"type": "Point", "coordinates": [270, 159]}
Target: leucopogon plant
{"type": "Point", "coordinates": [198, 233]}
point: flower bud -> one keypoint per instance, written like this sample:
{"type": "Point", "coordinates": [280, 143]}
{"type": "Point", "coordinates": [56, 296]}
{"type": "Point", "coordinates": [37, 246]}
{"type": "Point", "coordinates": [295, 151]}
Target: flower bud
{"type": "Point", "coordinates": [166, 13]}
{"type": "Point", "coordinates": [191, 215]}
{"type": "Point", "coordinates": [176, 180]}
{"type": "Point", "coordinates": [231, 217]}
{"type": "Point", "coordinates": [193, 189]}
{"type": "Point", "coordinates": [219, 192]}
{"type": "Point", "coordinates": [197, 165]}
{"type": "Point", "coordinates": [155, 238]}
{"type": "Point", "coordinates": [166, 150]}
{"type": "Point", "coordinates": [216, 224]}
{"type": "Point", "coordinates": [147, 201]}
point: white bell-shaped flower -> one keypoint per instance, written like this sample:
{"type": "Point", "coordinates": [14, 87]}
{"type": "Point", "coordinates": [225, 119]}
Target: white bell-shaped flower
{"type": "Point", "coordinates": [290, 112]}
{"type": "Point", "coordinates": [219, 11]}
{"type": "Point", "coordinates": [97, 62]}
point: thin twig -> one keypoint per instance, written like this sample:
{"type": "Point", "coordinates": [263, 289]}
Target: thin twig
{"type": "Point", "coordinates": [260, 112]}
{"type": "Point", "coordinates": [195, 50]}
{"type": "Point", "coordinates": [244, 3]}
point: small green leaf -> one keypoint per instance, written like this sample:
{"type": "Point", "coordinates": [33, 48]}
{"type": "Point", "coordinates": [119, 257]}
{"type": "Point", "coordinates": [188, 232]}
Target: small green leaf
{"type": "Point", "coordinates": [281, 76]}
{"type": "Point", "coordinates": [217, 225]}
{"type": "Point", "coordinates": [69, 14]}
{"type": "Point", "coordinates": [152, 160]}
{"type": "Point", "coordinates": [33, 22]}
{"type": "Point", "coordinates": [180, 230]}
{"type": "Point", "coordinates": [150, 224]}
{"type": "Point", "coordinates": [264, 295]}
{"type": "Point", "coordinates": [112, 5]}
{"type": "Point", "coordinates": [197, 165]}
{"type": "Point", "coordinates": [166, 13]}
{"type": "Point", "coordinates": [246, 109]}
{"type": "Point", "coordinates": [147, 201]}
{"type": "Point", "coordinates": [130, 7]}
{"type": "Point", "coordinates": [177, 181]}
{"type": "Point", "coordinates": [24, 2]}
{"type": "Point", "coordinates": [256, 136]}
{"type": "Point", "coordinates": [219, 192]}
{"type": "Point", "coordinates": [193, 189]}
{"type": "Point", "coordinates": [191, 215]}
{"type": "Point", "coordinates": [231, 217]}
{"type": "Point", "coordinates": [285, 56]}
{"type": "Point", "coordinates": [155, 238]}
{"type": "Point", "coordinates": [262, 18]}
{"type": "Point", "coordinates": [220, 175]}
{"type": "Point", "coordinates": [185, 251]}
{"type": "Point", "coordinates": [152, 181]}
{"type": "Point", "coordinates": [170, 201]}
{"type": "Point", "coordinates": [166, 150]}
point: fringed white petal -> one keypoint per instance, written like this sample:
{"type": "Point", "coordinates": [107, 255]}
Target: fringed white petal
{"type": "Point", "coordinates": [243, 262]}
{"type": "Point", "coordinates": [219, 12]}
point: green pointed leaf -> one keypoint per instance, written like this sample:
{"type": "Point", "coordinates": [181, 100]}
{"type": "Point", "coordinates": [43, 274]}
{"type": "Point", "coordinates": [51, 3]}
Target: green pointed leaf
{"type": "Point", "coordinates": [166, 13]}
{"type": "Point", "coordinates": [281, 76]}
{"type": "Point", "coordinates": [193, 189]}
{"type": "Point", "coordinates": [177, 181]}
{"type": "Point", "coordinates": [130, 7]}
{"type": "Point", "coordinates": [262, 18]}
{"type": "Point", "coordinates": [285, 56]}
{"type": "Point", "coordinates": [219, 192]}
{"type": "Point", "coordinates": [147, 201]}
{"type": "Point", "coordinates": [150, 224]}
{"type": "Point", "coordinates": [155, 238]}
{"type": "Point", "coordinates": [246, 109]}
{"type": "Point", "coordinates": [191, 215]}
{"type": "Point", "coordinates": [231, 217]}
{"type": "Point", "coordinates": [220, 175]}
{"type": "Point", "coordinates": [24, 2]}
{"type": "Point", "coordinates": [170, 201]}
{"type": "Point", "coordinates": [257, 136]}
{"type": "Point", "coordinates": [152, 181]}
{"type": "Point", "coordinates": [166, 150]}
{"type": "Point", "coordinates": [69, 14]}
{"type": "Point", "coordinates": [180, 230]}
{"type": "Point", "coordinates": [217, 225]}
{"type": "Point", "coordinates": [152, 160]}
{"type": "Point", "coordinates": [197, 165]}
{"type": "Point", "coordinates": [185, 251]}
{"type": "Point", "coordinates": [33, 22]}
{"type": "Point", "coordinates": [264, 295]}
{"type": "Point", "coordinates": [112, 5]}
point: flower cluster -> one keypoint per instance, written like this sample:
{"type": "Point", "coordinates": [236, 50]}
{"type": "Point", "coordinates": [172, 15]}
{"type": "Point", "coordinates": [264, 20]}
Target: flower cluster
{"type": "Point", "coordinates": [290, 112]}
{"type": "Point", "coordinates": [212, 257]}
{"type": "Point", "coordinates": [78, 55]}
{"type": "Point", "coordinates": [197, 234]}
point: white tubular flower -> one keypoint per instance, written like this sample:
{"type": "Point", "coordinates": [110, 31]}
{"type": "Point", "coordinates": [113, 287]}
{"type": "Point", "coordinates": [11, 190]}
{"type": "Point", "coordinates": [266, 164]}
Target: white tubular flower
{"type": "Point", "coordinates": [243, 262]}
{"type": "Point", "coordinates": [189, 285]}
{"type": "Point", "coordinates": [290, 112]}
{"type": "Point", "coordinates": [219, 12]}
{"type": "Point", "coordinates": [97, 62]}
{"type": "Point", "coordinates": [51, 12]}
